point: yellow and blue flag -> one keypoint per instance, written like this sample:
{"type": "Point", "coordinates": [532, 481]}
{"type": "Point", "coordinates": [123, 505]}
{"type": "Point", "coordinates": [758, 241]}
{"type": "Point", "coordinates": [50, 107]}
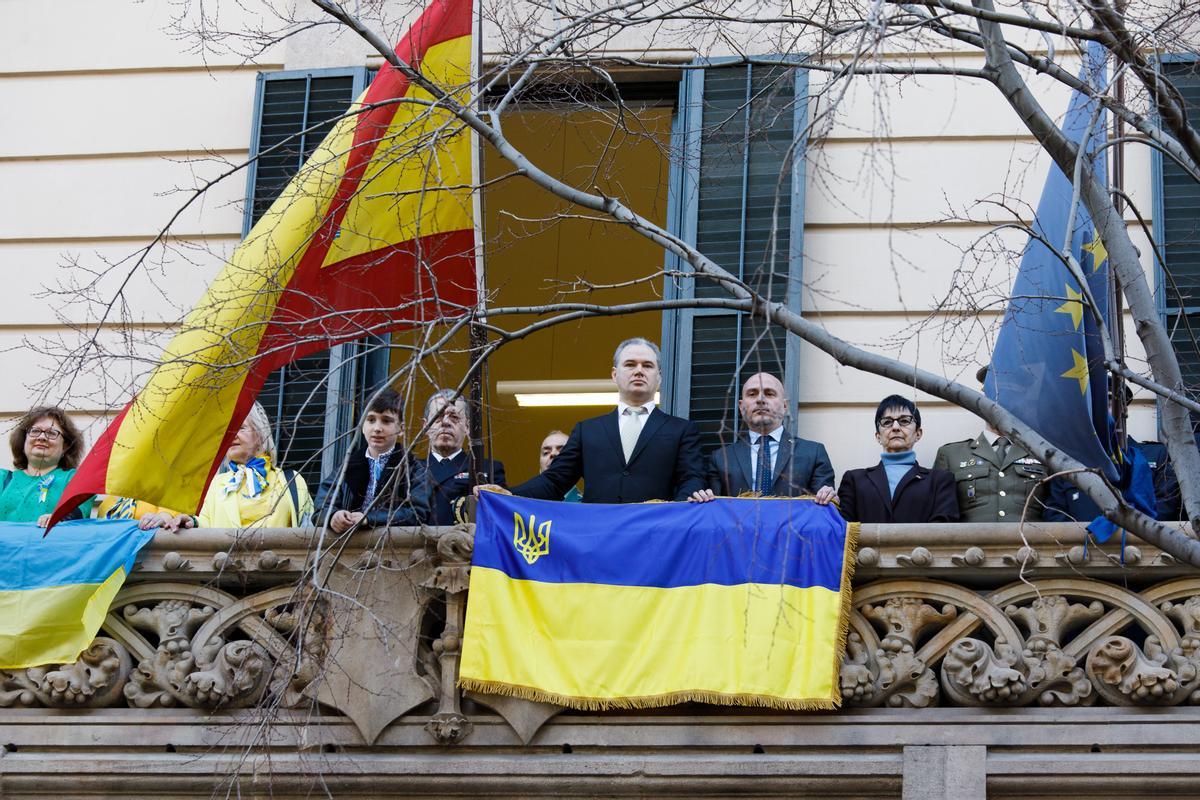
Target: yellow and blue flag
{"type": "Point", "coordinates": [736, 601]}
{"type": "Point", "coordinates": [55, 590]}
{"type": "Point", "coordinates": [1048, 364]}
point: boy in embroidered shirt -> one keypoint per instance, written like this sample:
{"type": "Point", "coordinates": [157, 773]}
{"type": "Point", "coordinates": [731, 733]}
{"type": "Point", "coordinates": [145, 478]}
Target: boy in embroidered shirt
{"type": "Point", "coordinates": [381, 486]}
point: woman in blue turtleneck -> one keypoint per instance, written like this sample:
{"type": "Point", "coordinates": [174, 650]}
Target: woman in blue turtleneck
{"type": "Point", "coordinates": [898, 489]}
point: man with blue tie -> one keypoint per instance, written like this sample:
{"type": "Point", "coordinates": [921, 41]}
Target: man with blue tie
{"type": "Point", "coordinates": [632, 454]}
{"type": "Point", "coordinates": [769, 460]}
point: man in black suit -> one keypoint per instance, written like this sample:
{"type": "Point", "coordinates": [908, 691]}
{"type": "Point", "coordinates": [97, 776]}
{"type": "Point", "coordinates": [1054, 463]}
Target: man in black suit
{"type": "Point", "coordinates": [381, 486]}
{"type": "Point", "coordinates": [630, 455]}
{"type": "Point", "coordinates": [449, 465]}
{"type": "Point", "coordinates": [898, 489]}
{"type": "Point", "coordinates": [769, 460]}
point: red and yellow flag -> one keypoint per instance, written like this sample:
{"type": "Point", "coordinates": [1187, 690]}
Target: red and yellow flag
{"type": "Point", "coordinates": [375, 233]}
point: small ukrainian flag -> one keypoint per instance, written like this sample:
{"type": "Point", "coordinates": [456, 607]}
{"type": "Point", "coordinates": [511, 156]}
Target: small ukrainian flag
{"type": "Point", "coordinates": [55, 589]}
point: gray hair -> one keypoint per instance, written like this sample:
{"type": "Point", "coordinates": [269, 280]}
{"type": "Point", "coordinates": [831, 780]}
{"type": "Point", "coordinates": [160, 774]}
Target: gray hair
{"type": "Point", "coordinates": [449, 396]}
{"type": "Point", "coordinates": [260, 425]}
{"type": "Point", "coordinates": [643, 343]}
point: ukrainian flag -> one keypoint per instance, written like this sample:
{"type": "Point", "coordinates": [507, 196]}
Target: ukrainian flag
{"type": "Point", "coordinates": [55, 590]}
{"type": "Point", "coordinates": [737, 601]}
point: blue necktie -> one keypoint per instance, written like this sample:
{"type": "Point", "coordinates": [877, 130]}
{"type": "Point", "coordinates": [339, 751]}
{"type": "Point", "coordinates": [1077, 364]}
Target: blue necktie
{"type": "Point", "coordinates": [764, 465]}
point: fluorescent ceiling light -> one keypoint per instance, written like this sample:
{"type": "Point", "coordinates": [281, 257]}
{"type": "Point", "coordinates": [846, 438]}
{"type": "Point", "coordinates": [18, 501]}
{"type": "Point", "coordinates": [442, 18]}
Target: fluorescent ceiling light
{"type": "Point", "coordinates": [548, 399]}
{"type": "Point", "coordinates": [549, 394]}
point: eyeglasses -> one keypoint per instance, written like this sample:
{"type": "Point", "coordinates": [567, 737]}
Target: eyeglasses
{"type": "Point", "coordinates": [50, 435]}
{"type": "Point", "coordinates": [887, 422]}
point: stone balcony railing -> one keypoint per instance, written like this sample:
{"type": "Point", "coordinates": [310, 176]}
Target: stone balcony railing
{"type": "Point", "coordinates": [990, 655]}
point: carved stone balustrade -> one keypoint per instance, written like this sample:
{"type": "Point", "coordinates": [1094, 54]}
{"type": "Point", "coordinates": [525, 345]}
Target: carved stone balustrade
{"type": "Point", "coordinates": [275, 662]}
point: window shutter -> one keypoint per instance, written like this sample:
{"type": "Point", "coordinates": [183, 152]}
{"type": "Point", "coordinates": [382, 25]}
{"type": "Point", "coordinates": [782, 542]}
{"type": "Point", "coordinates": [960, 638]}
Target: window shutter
{"type": "Point", "coordinates": [294, 113]}
{"type": "Point", "coordinates": [1178, 233]}
{"type": "Point", "coordinates": [736, 199]}
{"type": "Point", "coordinates": [288, 108]}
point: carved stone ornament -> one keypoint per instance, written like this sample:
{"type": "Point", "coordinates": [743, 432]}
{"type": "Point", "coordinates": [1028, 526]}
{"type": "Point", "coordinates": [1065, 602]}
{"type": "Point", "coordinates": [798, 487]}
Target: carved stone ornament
{"type": "Point", "coordinates": [376, 634]}
{"type": "Point", "coordinates": [1065, 648]}
{"type": "Point", "coordinates": [94, 680]}
{"type": "Point", "coordinates": [215, 675]}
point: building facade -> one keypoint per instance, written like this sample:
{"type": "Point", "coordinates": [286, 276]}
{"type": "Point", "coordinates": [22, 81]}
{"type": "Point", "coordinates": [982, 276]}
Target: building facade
{"type": "Point", "coordinates": [869, 233]}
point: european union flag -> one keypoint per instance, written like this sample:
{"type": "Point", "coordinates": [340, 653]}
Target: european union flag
{"type": "Point", "coordinates": [1048, 365]}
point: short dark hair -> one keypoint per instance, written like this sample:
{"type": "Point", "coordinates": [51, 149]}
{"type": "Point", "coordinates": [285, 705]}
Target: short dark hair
{"type": "Point", "coordinates": [386, 402]}
{"type": "Point", "coordinates": [896, 401]}
{"type": "Point", "coordinates": [72, 438]}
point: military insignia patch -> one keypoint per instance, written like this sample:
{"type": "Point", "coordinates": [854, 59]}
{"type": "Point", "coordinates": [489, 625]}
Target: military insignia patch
{"type": "Point", "coordinates": [531, 542]}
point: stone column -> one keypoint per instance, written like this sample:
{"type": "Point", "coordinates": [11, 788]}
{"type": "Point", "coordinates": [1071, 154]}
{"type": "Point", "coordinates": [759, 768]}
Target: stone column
{"type": "Point", "coordinates": [935, 772]}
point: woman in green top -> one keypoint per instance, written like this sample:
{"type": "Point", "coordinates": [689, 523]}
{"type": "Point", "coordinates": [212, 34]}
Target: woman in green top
{"type": "Point", "coordinates": [46, 448]}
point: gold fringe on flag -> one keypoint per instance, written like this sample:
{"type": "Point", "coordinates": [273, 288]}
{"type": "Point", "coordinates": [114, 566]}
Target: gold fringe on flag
{"type": "Point", "coordinates": [653, 701]}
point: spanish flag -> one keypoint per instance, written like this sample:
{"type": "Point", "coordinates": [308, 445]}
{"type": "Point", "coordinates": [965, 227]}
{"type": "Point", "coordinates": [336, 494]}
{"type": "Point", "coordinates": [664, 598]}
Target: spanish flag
{"type": "Point", "coordinates": [55, 591]}
{"type": "Point", "coordinates": [736, 602]}
{"type": "Point", "coordinates": [375, 233]}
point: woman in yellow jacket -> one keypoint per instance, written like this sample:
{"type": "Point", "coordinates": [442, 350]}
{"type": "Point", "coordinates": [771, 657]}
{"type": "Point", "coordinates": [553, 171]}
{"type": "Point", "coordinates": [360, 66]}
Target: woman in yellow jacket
{"type": "Point", "coordinates": [249, 491]}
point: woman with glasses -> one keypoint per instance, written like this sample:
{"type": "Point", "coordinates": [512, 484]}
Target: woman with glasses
{"type": "Point", "coordinates": [898, 489]}
{"type": "Point", "coordinates": [249, 490]}
{"type": "Point", "coordinates": [46, 449]}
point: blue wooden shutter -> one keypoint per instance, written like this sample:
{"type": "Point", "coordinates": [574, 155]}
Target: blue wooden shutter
{"type": "Point", "coordinates": [309, 403]}
{"type": "Point", "coordinates": [737, 193]}
{"type": "Point", "coordinates": [1177, 229]}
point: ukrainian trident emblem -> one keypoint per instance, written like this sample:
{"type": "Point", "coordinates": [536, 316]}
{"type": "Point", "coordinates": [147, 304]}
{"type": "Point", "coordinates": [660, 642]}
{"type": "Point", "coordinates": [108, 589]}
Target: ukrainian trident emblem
{"type": "Point", "coordinates": [531, 543]}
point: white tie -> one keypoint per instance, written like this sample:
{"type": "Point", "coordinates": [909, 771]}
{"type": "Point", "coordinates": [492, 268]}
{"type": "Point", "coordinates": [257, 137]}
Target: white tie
{"type": "Point", "coordinates": [631, 429]}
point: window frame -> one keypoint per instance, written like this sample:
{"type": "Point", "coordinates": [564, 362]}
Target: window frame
{"type": "Point", "coordinates": [346, 377]}
{"type": "Point", "coordinates": [1158, 226]}
{"type": "Point", "coordinates": [682, 219]}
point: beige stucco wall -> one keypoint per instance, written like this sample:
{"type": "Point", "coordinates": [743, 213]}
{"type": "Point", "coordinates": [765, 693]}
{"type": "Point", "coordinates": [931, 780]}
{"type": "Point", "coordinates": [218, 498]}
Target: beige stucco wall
{"type": "Point", "coordinates": [108, 135]}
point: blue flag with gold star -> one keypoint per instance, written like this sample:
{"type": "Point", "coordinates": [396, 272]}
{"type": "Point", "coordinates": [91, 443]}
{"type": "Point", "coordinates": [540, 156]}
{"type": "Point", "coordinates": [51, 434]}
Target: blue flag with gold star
{"type": "Point", "coordinates": [1048, 364]}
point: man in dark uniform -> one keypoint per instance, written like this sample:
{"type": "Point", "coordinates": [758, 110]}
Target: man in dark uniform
{"type": "Point", "coordinates": [1067, 503]}
{"type": "Point", "coordinates": [449, 465]}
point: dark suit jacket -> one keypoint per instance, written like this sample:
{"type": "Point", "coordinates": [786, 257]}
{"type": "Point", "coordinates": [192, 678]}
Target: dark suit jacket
{"type": "Point", "coordinates": [1067, 503]}
{"type": "Point", "coordinates": [923, 495]}
{"type": "Point", "coordinates": [665, 465]}
{"type": "Point", "coordinates": [402, 496]}
{"type": "Point", "coordinates": [801, 467]}
{"type": "Point", "coordinates": [451, 480]}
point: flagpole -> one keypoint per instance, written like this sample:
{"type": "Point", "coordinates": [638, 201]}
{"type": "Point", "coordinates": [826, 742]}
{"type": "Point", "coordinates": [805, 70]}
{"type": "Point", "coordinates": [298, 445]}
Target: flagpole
{"type": "Point", "coordinates": [476, 332]}
{"type": "Point", "coordinates": [1116, 315]}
